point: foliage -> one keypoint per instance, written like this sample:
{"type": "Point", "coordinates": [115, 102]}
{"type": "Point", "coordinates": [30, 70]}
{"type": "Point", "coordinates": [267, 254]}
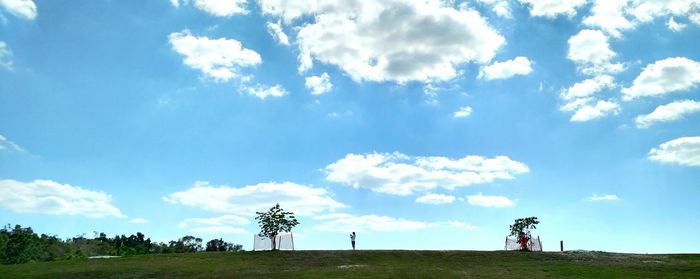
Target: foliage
{"type": "Point", "coordinates": [22, 245]}
{"type": "Point", "coordinates": [274, 221]}
{"type": "Point", "coordinates": [221, 246]}
{"type": "Point", "coordinates": [521, 229]}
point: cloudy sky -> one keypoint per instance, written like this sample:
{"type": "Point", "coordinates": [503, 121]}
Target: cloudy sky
{"type": "Point", "coordinates": [420, 124]}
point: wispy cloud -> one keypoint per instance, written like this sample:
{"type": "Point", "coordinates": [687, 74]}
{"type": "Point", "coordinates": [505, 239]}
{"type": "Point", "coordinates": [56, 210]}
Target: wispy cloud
{"type": "Point", "coordinates": [607, 197]}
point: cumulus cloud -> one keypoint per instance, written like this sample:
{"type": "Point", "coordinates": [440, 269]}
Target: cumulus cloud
{"type": "Point", "coordinates": [435, 199]}
{"type": "Point", "coordinates": [664, 76]}
{"type": "Point", "coordinates": [600, 109]}
{"type": "Point", "coordinates": [506, 69]}
{"type": "Point", "coordinates": [500, 7]}
{"type": "Point", "coordinates": [138, 220]}
{"type": "Point", "coordinates": [219, 59]}
{"type": "Point", "coordinates": [682, 151]}
{"type": "Point", "coordinates": [20, 8]}
{"type": "Point", "coordinates": [49, 197]}
{"type": "Point", "coordinates": [276, 31]}
{"type": "Point", "coordinates": [399, 174]}
{"type": "Point", "coordinates": [220, 8]}
{"type": "Point", "coordinates": [582, 100]}
{"type": "Point", "coordinates": [246, 200]}
{"type": "Point", "coordinates": [462, 112]}
{"type": "Point", "coordinates": [490, 201]}
{"type": "Point", "coordinates": [553, 8]}
{"type": "Point", "coordinates": [591, 52]}
{"type": "Point", "coordinates": [669, 112]}
{"type": "Point", "coordinates": [607, 197]}
{"type": "Point", "coordinates": [675, 26]}
{"type": "Point", "coordinates": [319, 84]}
{"type": "Point", "coordinates": [263, 91]}
{"type": "Point", "coordinates": [614, 17]}
{"type": "Point", "coordinates": [5, 56]}
{"type": "Point", "coordinates": [8, 145]}
{"type": "Point", "coordinates": [393, 40]}
{"type": "Point", "coordinates": [609, 16]}
{"type": "Point", "coordinates": [588, 88]}
{"type": "Point", "coordinates": [365, 223]}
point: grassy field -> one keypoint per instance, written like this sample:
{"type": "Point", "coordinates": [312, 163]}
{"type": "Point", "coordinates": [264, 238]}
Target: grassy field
{"type": "Point", "coordinates": [369, 264]}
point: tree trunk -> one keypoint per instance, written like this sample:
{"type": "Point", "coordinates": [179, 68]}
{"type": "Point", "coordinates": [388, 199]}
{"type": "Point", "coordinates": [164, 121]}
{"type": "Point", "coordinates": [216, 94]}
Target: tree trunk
{"type": "Point", "coordinates": [274, 242]}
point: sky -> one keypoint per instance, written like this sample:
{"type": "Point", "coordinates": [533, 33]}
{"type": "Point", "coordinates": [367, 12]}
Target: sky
{"type": "Point", "coordinates": [421, 124]}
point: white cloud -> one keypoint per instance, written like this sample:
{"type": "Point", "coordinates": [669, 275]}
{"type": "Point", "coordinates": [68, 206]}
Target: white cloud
{"type": "Point", "coordinates": [506, 69]}
{"type": "Point", "coordinates": [600, 109]}
{"type": "Point", "coordinates": [581, 98]}
{"type": "Point", "coordinates": [319, 84]}
{"type": "Point", "coordinates": [462, 112]}
{"type": "Point", "coordinates": [224, 220]}
{"type": "Point", "coordinates": [276, 31]}
{"type": "Point", "coordinates": [588, 88]}
{"type": "Point", "coordinates": [609, 16]}
{"type": "Point", "coordinates": [682, 151]}
{"type": "Point", "coordinates": [20, 8]}
{"type": "Point", "coordinates": [392, 40]}
{"type": "Point", "coordinates": [365, 223]}
{"type": "Point", "coordinates": [553, 8]}
{"type": "Point", "coordinates": [614, 17]}
{"type": "Point", "coordinates": [219, 59]}
{"type": "Point", "coordinates": [435, 199]}
{"type": "Point", "coordinates": [263, 91]}
{"type": "Point", "coordinates": [607, 197]}
{"type": "Point", "coordinates": [500, 7]}
{"type": "Point", "coordinates": [49, 197]}
{"type": "Point", "coordinates": [138, 220]}
{"type": "Point", "coordinates": [591, 52]}
{"type": "Point", "coordinates": [8, 145]}
{"type": "Point", "coordinates": [663, 77]}
{"type": "Point", "coordinates": [646, 11]}
{"type": "Point", "coordinates": [399, 174]}
{"type": "Point", "coordinates": [669, 112]}
{"type": "Point", "coordinates": [675, 26]}
{"type": "Point", "coordinates": [5, 56]}
{"type": "Point", "coordinates": [246, 200]}
{"type": "Point", "coordinates": [695, 18]}
{"type": "Point", "coordinates": [220, 8]}
{"type": "Point", "coordinates": [490, 201]}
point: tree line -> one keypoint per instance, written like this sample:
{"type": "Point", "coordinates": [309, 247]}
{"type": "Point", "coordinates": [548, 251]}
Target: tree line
{"type": "Point", "coordinates": [22, 245]}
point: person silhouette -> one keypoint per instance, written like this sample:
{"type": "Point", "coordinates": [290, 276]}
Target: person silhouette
{"type": "Point", "coordinates": [352, 240]}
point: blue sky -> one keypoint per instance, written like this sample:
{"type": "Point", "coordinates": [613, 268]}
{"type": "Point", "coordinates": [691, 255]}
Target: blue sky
{"type": "Point", "coordinates": [419, 124]}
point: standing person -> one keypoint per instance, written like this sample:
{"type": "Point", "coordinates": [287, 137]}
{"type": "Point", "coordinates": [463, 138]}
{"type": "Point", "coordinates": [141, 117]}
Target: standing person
{"type": "Point", "coordinates": [352, 240]}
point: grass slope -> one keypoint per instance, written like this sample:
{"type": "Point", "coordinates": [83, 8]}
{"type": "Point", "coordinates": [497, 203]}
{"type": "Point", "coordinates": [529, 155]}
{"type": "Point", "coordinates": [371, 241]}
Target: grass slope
{"type": "Point", "coordinates": [366, 264]}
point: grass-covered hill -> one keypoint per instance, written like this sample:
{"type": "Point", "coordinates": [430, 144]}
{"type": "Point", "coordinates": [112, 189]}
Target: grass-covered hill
{"type": "Point", "coordinates": [368, 264]}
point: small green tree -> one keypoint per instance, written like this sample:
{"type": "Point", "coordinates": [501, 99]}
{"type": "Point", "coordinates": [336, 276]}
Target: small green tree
{"type": "Point", "coordinates": [521, 229]}
{"type": "Point", "coordinates": [274, 221]}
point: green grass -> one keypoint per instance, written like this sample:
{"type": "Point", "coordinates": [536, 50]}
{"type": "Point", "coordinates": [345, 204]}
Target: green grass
{"type": "Point", "coordinates": [369, 264]}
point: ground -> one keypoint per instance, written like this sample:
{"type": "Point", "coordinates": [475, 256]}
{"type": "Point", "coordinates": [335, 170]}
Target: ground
{"type": "Point", "coordinates": [366, 264]}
